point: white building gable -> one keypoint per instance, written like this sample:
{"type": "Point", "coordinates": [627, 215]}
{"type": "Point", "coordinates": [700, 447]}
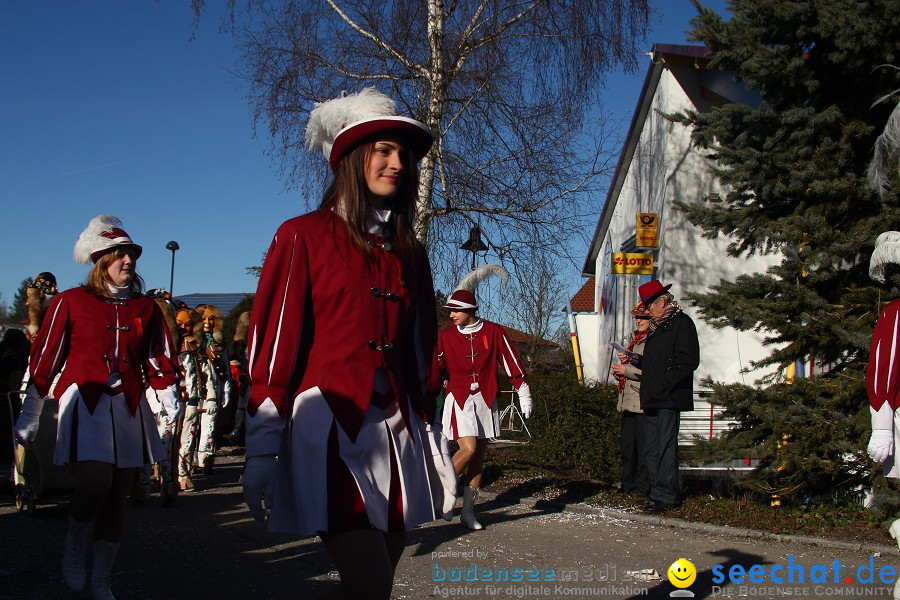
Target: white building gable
{"type": "Point", "coordinates": [659, 165]}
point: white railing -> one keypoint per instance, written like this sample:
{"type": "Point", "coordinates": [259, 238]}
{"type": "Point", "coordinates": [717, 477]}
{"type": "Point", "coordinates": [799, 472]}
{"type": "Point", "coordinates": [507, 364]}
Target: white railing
{"type": "Point", "coordinates": [704, 421]}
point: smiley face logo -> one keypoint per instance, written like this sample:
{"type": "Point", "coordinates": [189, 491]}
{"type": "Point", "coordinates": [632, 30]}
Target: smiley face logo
{"type": "Point", "coordinates": [682, 573]}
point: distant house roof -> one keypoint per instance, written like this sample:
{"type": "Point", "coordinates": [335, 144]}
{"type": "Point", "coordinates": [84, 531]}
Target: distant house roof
{"type": "Point", "coordinates": [514, 335]}
{"type": "Point", "coordinates": [520, 337]}
{"type": "Point", "coordinates": [225, 301]}
{"type": "Point", "coordinates": [583, 301]}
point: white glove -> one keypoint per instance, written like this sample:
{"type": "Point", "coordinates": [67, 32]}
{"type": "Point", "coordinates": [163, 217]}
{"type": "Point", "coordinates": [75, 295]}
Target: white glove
{"type": "Point", "coordinates": [881, 444]}
{"type": "Point", "coordinates": [29, 419]}
{"type": "Point", "coordinates": [441, 474]}
{"type": "Point", "coordinates": [525, 400]}
{"type": "Point", "coordinates": [259, 484]}
{"type": "Point", "coordinates": [226, 400]}
{"type": "Point", "coordinates": [169, 400]}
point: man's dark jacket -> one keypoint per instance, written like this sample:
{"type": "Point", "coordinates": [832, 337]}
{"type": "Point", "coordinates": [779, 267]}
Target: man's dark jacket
{"type": "Point", "coordinates": [671, 355]}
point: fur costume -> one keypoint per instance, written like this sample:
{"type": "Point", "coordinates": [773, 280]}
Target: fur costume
{"type": "Point", "coordinates": [243, 324]}
{"type": "Point", "coordinates": [168, 311]}
{"type": "Point", "coordinates": [35, 302]}
{"type": "Point", "coordinates": [38, 295]}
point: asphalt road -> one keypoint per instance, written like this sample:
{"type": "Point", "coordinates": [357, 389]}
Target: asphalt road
{"type": "Point", "coordinates": [208, 547]}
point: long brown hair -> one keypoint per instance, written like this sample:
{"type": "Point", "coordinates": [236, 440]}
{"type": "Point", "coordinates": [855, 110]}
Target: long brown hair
{"type": "Point", "coordinates": [349, 196]}
{"type": "Point", "coordinates": [98, 280]}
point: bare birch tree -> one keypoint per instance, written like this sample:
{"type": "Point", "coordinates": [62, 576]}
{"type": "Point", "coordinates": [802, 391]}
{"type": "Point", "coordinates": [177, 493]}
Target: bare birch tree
{"type": "Point", "coordinates": [508, 86]}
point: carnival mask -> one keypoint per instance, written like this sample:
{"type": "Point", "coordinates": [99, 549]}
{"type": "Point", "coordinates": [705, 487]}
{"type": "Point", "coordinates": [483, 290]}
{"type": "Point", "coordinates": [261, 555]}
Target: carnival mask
{"type": "Point", "coordinates": [184, 322]}
{"type": "Point", "coordinates": [209, 321]}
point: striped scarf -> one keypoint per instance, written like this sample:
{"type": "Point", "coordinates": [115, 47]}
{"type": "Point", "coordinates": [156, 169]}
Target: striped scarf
{"type": "Point", "coordinates": [672, 309]}
{"type": "Point", "coordinates": [635, 340]}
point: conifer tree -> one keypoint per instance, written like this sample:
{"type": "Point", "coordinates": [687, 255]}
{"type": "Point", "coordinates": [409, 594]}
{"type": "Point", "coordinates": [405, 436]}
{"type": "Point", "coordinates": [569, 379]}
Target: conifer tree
{"type": "Point", "coordinates": [19, 310]}
{"type": "Point", "coordinates": [796, 169]}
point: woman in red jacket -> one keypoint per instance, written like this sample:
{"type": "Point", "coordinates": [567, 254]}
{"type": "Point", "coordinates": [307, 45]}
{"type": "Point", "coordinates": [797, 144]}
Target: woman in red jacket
{"type": "Point", "coordinates": [343, 355]}
{"type": "Point", "coordinates": [470, 354]}
{"type": "Point", "coordinates": [102, 340]}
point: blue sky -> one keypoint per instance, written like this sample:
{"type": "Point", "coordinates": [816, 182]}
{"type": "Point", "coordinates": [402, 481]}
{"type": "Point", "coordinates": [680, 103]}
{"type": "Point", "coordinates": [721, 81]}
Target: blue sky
{"type": "Point", "coordinates": [109, 106]}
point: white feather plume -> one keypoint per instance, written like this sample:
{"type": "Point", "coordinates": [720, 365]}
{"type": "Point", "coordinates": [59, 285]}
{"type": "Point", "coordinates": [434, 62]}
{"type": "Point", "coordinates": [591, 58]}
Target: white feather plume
{"type": "Point", "coordinates": [887, 251]}
{"type": "Point", "coordinates": [886, 154]}
{"type": "Point", "coordinates": [328, 118]}
{"type": "Point", "coordinates": [87, 241]}
{"type": "Point", "coordinates": [473, 278]}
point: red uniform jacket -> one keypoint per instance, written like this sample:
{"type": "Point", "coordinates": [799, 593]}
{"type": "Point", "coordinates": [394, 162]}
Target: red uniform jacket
{"type": "Point", "coordinates": [473, 358]}
{"type": "Point", "coordinates": [883, 372]}
{"type": "Point", "coordinates": [325, 316]}
{"type": "Point", "coordinates": [88, 338]}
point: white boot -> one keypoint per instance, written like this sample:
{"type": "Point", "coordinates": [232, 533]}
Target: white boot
{"type": "Point", "coordinates": [101, 575]}
{"type": "Point", "coordinates": [74, 553]}
{"type": "Point", "coordinates": [467, 515]}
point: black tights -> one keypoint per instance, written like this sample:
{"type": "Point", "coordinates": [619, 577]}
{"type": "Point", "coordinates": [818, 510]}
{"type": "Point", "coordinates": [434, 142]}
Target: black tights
{"type": "Point", "coordinates": [101, 491]}
{"type": "Point", "coordinates": [366, 560]}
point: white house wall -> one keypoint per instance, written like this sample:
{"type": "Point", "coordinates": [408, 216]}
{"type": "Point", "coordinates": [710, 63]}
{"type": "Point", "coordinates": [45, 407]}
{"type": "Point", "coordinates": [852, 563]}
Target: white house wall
{"type": "Point", "coordinates": [665, 167]}
{"type": "Point", "coordinates": [588, 343]}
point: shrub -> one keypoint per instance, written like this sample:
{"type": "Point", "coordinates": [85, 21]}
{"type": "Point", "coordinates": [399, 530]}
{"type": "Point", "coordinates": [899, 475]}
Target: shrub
{"type": "Point", "coordinates": [575, 426]}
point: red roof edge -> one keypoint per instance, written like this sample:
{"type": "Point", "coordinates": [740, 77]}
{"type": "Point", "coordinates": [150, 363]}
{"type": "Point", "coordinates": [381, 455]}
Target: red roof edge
{"type": "Point", "coordinates": [583, 301]}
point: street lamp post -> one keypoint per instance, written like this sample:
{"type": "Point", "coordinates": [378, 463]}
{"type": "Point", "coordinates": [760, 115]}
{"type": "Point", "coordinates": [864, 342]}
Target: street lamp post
{"type": "Point", "coordinates": [173, 246]}
{"type": "Point", "coordinates": [474, 243]}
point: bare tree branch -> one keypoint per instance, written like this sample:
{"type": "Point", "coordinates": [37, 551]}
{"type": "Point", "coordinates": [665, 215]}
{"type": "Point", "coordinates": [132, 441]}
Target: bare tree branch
{"type": "Point", "coordinates": [510, 87]}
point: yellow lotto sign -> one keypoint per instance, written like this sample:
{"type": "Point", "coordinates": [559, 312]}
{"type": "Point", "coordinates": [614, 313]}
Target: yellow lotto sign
{"type": "Point", "coordinates": [647, 235]}
{"type": "Point", "coordinates": [632, 263]}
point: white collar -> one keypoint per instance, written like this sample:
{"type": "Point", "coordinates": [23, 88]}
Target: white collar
{"type": "Point", "coordinates": [471, 327]}
{"type": "Point", "coordinates": [119, 293]}
{"type": "Point", "coordinates": [377, 220]}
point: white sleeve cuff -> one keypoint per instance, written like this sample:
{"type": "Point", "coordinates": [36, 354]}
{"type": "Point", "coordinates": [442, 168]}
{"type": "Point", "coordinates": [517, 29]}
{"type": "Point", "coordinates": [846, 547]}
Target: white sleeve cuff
{"type": "Point", "coordinates": [264, 430]}
{"type": "Point", "coordinates": [883, 418]}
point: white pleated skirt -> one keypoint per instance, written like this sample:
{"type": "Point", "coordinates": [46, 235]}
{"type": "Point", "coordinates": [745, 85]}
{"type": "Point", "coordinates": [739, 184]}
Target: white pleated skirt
{"type": "Point", "coordinates": [384, 446]}
{"type": "Point", "coordinates": [475, 418]}
{"type": "Point", "coordinates": [111, 434]}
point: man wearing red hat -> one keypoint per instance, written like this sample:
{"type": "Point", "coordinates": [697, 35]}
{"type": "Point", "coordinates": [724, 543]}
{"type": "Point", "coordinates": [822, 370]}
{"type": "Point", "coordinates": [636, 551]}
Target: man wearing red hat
{"type": "Point", "coordinates": [469, 354]}
{"type": "Point", "coordinates": [671, 355]}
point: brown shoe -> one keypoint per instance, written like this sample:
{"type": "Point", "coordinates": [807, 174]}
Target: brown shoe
{"type": "Point", "coordinates": [186, 484]}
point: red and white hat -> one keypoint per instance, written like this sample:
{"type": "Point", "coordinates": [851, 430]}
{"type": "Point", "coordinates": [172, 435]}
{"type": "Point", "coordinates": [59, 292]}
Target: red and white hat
{"type": "Point", "coordinates": [103, 233]}
{"type": "Point", "coordinates": [652, 290]}
{"type": "Point", "coordinates": [461, 300]}
{"type": "Point", "coordinates": [887, 252]}
{"type": "Point", "coordinates": [337, 126]}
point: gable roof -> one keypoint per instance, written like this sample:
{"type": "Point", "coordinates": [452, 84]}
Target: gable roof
{"type": "Point", "coordinates": [583, 301]}
{"type": "Point", "coordinates": [720, 82]}
{"type": "Point", "coordinates": [520, 337]}
{"type": "Point", "coordinates": [514, 335]}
